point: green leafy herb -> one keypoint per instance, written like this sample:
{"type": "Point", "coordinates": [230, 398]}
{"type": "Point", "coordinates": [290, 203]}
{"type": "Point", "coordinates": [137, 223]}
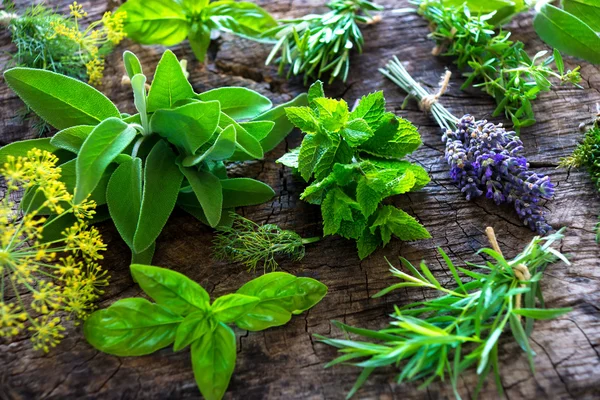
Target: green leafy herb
{"type": "Point", "coordinates": [497, 65]}
{"type": "Point", "coordinates": [183, 316]}
{"type": "Point", "coordinates": [169, 22]}
{"type": "Point", "coordinates": [173, 152]}
{"type": "Point", "coordinates": [443, 337]}
{"type": "Point", "coordinates": [353, 161]}
{"type": "Point", "coordinates": [252, 245]}
{"type": "Point", "coordinates": [317, 44]}
{"type": "Point", "coordinates": [587, 155]}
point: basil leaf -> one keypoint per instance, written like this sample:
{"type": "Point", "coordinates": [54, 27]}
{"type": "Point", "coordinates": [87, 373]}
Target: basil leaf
{"type": "Point", "coordinates": [162, 180]}
{"type": "Point", "coordinates": [60, 100]}
{"type": "Point", "coordinates": [567, 33]}
{"type": "Point", "coordinates": [155, 21]}
{"type": "Point", "coordinates": [124, 198]}
{"type": "Point", "coordinates": [239, 192]}
{"type": "Point", "coordinates": [189, 126]}
{"type": "Point", "coordinates": [230, 307]}
{"type": "Point", "coordinates": [586, 10]}
{"type": "Point", "coordinates": [238, 102]}
{"type": "Point", "coordinates": [241, 18]}
{"type": "Point", "coordinates": [171, 289]}
{"type": "Point", "coordinates": [131, 327]}
{"type": "Point", "coordinates": [194, 6]}
{"type": "Point", "coordinates": [20, 149]}
{"type": "Point", "coordinates": [71, 139]}
{"type": "Point", "coordinates": [208, 191]}
{"type": "Point", "coordinates": [213, 361]}
{"type": "Point", "coordinates": [132, 64]}
{"type": "Point", "coordinates": [283, 126]}
{"type": "Point", "coordinates": [102, 146]}
{"type": "Point", "coordinates": [193, 327]}
{"type": "Point", "coordinates": [169, 84]}
{"type": "Point", "coordinates": [281, 295]}
{"type": "Point", "coordinates": [222, 149]}
{"type": "Point", "coordinates": [199, 39]}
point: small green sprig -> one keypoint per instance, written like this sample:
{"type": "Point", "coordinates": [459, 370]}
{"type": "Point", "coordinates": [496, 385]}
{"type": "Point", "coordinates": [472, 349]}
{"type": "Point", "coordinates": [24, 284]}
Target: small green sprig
{"type": "Point", "coordinates": [251, 244]}
{"type": "Point", "coordinates": [316, 44]}
{"type": "Point", "coordinates": [443, 337]}
{"type": "Point", "coordinates": [494, 63]}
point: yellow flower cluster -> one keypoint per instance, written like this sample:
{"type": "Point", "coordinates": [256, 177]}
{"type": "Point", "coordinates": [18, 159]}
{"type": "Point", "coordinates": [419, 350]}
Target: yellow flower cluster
{"type": "Point", "coordinates": [59, 273]}
{"type": "Point", "coordinates": [107, 31]}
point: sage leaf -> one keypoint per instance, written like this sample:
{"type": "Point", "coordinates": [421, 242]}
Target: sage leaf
{"type": "Point", "coordinates": [60, 100]}
{"type": "Point", "coordinates": [246, 142]}
{"type": "Point", "coordinates": [20, 149]}
{"type": "Point", "coordinates": [238, 102]}
{"type": "Point", "coordinates": [171, 289]}
{"type": "Point", "coordinates": [586, 10]}
{"type": "Point", "coordinates": [131, 327]}
{"type": "Point", "coordinates": [124, 198]}
{"type": "Point", "coordinates": [71, 139]}
{"type": "Point", "coordinates": [145, 257]}
{"type": "Point", "coordinates": [258, 129]}
{"type": "Point", "coordinates": [283, 126]}
{"type": "Point", "coordinates": [281, 295]}
{"type": "Point", "coordinates": [567, 33]}
{"type": "Point", "coordinates": [197, 212]}
{"type": "Point", "coordinates": [189, 126]}
{"type": "Point", "coordinates": [140, 100]}
{"type": "Point", "coordinates": [193, 327]}
{"type": "Point", "coordinates": [102, 146]}
{"type": "Point", "coordinates": [162, 180]}
{"type": "Point", "coordinates": [240, 192]}
{"type": "Point", "coordinates": [169, 84]}
{"type": "Point", "coordinates": [155, 21]}
{"type": "Point", "coordinates": [232, 306]}
{"type": "Point", "coordinates": [213, 361]}
{"type": "Point", "coordinates": [208, 191]}
{"type": "Point", "coordinates": [132, 64]}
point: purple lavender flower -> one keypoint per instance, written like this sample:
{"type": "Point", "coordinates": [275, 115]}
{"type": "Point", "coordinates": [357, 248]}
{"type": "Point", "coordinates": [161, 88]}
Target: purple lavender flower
{"type": "Point", "coordinates": [485, 159]}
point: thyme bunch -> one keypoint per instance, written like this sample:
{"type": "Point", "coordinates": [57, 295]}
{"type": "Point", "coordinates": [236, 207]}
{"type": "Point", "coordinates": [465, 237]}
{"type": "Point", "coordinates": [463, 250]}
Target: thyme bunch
{"type": "Point", "coordinates": [251, 244]}
{"type": "Point", "coordinates": [443, 337]}
{"type": "Point", "coordinates": [321, 43]}
{"type": "Point", "coordinates": [491, 61]}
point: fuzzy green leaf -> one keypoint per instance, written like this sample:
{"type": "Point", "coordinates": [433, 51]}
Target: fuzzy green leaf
{"type": "Point", "coordinates": [124, 198]}
{"type": "Point", "coordinates": [283, 126]}
{"type": "Point", "coordinates": [71, 139]}
{"type": "Point", "coordinates": [169, 84]}
{"type": "Point", "coordinates": [208, 191]}
{"type": "Point", "coordinates": [238, 102]}
{"type": "Point", "coordinates": [241, 192]}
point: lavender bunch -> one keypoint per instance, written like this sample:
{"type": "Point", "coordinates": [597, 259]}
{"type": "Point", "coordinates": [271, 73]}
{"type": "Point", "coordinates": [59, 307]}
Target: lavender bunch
{"type": "Point", "coordinates": [484, 158]}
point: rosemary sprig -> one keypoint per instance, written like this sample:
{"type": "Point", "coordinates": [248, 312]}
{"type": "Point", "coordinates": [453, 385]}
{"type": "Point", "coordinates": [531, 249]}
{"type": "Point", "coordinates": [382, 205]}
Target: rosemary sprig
{"type": "Point", "coordinates": [316, 44]}
{"type": "Point", "coordinates": [252, 245]}
{"type": "Point", "coordinates": [493, 62]}
{"type": "Point", "coordinates": [443, 337]}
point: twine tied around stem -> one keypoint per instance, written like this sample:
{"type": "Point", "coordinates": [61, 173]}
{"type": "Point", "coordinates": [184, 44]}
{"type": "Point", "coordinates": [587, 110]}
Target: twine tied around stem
{"type": "Point", "coordinates": [521, 270]}
{"type": "Point", "coordinates": [429, 100]}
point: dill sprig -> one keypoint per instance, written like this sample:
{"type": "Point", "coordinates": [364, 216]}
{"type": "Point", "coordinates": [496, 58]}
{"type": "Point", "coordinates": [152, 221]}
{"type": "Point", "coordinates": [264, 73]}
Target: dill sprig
{"type": "Point", "coordinates": [494, 63]}
{"type": "Point", "coordinates": [319, 43]}
{"type": "Point", "coordinates": [442, 337]}
{"type": "Point", "coordinates": [251, 244]}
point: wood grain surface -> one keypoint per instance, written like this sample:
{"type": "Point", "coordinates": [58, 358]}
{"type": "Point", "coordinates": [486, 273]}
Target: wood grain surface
{"type": "Point", "coordinates": [286, 362]}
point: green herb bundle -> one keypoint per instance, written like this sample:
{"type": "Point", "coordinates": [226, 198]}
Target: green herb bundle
{"type": "Point", "coordinates": [353, 161]}
{"type": "Point", "coordinates": [169, 22]}
{"type": "Point", "coordinates": [440, 338]}
{"type": "Point", "coordinates": [587, 155]}
{"type": "Point", "coordinates": [493, 62]}
{"type": "Point", "coordinates": [251, 244]}
{"type": "Point", "coordinates": [172, 152]}
{"type": "Point", "coordinates": [317, 44]}
{"type": "Point", "coordinates": [183, 316]}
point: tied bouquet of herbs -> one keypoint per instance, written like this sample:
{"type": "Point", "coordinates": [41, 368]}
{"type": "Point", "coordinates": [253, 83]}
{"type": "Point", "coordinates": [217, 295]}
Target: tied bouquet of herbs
{"type": "Point", "coordinates": [440, 338]}
{"type": "Point", "coordinates": [183, 315]}
{"type": "Point", "coordinates": [318, 44]}
{"type": "Point", "coordinates": [493, 62]}
{"type": "Point", "coordinates": [484, 158]}
{"type": "Point", "coordinates": [170, 22]}
{"type": "Point", "coordinates": [172, 152]}
{"type": "Point", "coordinates": [353, 161]}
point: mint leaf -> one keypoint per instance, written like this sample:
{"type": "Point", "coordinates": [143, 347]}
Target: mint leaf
{"type": "Point", "coordinates": [356, 132]}
{"type": "Point", "coordinates": [312, 149]}
{"type": "Point", "coordinates": [370, 108]}
{"type": "Point", "coordinates": [391, 220]}
{"type": "Point", "coordinates": [303, 118]}
{"type": "Point", "coordinates": [337, 207]}
{"type": "Point", "coordinates": [394, 138]}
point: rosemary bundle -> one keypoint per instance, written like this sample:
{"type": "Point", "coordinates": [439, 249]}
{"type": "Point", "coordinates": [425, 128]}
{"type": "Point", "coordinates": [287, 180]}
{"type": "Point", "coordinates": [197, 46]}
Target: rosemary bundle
{"type": "Point", "coordinates": [443, 337]}
{"type": "Point", "coordinates": [317, 44]}
{"type": "Point", "coordinates": [251, 244]}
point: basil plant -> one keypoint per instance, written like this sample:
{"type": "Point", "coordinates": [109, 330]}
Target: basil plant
{"type": "Point", "coordinates": [182, 315]}
{"type": "Point", "coordinates": [170, 22]}
{"type": "Point", "coordinates": [137, 168]}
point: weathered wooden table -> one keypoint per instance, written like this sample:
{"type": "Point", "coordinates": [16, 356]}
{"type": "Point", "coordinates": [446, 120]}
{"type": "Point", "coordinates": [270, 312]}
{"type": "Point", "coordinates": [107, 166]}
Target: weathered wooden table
{"type": "Point", "coordinates": [287, 362]}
